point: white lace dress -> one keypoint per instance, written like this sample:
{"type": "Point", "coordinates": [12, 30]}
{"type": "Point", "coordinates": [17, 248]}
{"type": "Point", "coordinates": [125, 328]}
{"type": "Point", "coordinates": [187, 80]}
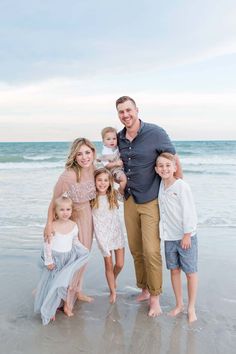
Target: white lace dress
{"type": "Point", "coordinates": [107, 227]}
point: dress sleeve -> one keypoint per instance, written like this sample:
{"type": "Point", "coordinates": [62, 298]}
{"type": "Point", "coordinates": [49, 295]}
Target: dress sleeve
{"type": "Point", "coordinates": [47, 250]}
{"type": "Point", "coordinates": [66, 179]}
{"type": "Point", "coordinates": [75, 240]}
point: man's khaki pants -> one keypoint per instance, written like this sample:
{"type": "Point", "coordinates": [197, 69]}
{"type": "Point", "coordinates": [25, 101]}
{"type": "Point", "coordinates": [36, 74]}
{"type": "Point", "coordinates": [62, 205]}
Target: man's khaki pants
{"type": "Point", "coordinates": [142, 225]}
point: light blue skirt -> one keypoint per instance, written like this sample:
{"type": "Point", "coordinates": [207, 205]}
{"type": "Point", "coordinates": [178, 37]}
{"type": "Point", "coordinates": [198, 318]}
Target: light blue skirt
{"type": "Point", "coordinates": [53, 284]}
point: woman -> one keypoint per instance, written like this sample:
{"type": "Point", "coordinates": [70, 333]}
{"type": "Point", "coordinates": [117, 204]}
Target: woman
{"type": "Point", "coordinates": [78, 182]}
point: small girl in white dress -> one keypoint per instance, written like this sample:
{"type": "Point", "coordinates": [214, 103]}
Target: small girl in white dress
{"type": "Point", "coordinates": [63, 256]}
{"type": "Point", "coordinates": [107, 227]}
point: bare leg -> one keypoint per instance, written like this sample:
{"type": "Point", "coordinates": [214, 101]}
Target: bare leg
{"type": "Point", "coordinates": [192, 280]}
{"type": "Point", "coordinates": [155, 308]}
{"type": "Point", "coordinates": [83, 297]}
{"type": "Point", "coordinates": [110, 278]}
{"type": "Point", "coordinates": [119, 257]}
{"type": "Point", "coordinates": [145, 295]}
{"type": "Point", "coordinates": [67, 310]}
{"type": "Point", "coordinates": [177, 287]}
{"type": "Point", "coordinates": [122, 183]}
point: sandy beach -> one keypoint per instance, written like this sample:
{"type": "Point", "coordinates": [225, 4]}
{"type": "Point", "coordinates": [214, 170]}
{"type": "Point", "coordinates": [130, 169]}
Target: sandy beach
{"type": "Point", "coordinates": [123, 327]}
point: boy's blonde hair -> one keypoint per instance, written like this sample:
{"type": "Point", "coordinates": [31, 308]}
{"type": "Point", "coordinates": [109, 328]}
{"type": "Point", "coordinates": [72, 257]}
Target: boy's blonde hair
{"type": "Point", "coordinates": [111, 192]}
{"type": "Point", "coordinates": [168, 156]}
{"type": "Point", "coordinates": [108, 130]}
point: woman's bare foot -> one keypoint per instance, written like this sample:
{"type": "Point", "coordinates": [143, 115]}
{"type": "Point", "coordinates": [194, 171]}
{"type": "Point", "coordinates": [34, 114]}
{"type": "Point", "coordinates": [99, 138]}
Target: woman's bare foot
{"type": "Point", "coordinates": [155, 308]}
{"type": "Point", "coordinates": [175, 311]}
{"type": "Point", "coordinates": [145, 295]}
{"type": "Point", "coordinates": [85, 298]}
{"type": "Point", "coordinates": [53, 318]}
{"type": "Point", "coordinates": [192, 315]}
{"type": "Point", "coordinates": [112, 297]}
{"type": "Point", "coordinates": [67, 310]}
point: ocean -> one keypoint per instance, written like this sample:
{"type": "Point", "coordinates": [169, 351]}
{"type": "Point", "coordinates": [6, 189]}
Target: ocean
{"type": "Point", "coordinates": [28, 172]}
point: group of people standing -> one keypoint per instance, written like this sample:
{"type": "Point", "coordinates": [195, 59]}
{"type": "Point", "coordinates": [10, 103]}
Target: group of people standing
{"type": "Point", "coordinates": [141, 159]}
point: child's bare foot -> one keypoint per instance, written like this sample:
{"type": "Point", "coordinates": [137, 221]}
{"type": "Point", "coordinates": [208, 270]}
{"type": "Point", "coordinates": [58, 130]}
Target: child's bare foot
{"type": "Point", "coordinates": [112, 298]}
{"type": "Point", "coordinates": [192, 315]}
{"type": "Point", "coordinates": [67, 310]}
{"type": "Point", "coordinates": [155, 308]}
{"type": "Point", "coordinates": [145, 295]}
{"type": "Point", "coordinates": [85, 298]}
{"type": "Point", "coordinates": [121, 190]}
{"type": "Point", "coordinates": [175, 311]}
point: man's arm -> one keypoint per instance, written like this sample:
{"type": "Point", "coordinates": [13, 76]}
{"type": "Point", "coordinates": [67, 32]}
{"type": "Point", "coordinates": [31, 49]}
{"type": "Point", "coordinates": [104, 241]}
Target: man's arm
{"type": "Point", "coordinates": [179, 171]}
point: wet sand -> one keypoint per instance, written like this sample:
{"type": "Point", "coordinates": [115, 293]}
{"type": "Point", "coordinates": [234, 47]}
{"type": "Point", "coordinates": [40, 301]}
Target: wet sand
{"type": "Point", "coordinates": [124, 327]}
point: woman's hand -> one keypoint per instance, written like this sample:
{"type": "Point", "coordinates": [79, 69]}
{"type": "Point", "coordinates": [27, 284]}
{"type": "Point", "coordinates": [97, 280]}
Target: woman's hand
{"type": "Point", "coordinates": [48, 232]}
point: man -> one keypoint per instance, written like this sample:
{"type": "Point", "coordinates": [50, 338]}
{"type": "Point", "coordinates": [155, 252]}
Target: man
{"type": "Point", "coordinates": [139, 144]}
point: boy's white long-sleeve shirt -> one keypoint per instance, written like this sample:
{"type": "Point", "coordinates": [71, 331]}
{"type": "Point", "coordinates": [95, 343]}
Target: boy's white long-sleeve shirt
{"type": "Point", "coordinates": [177, 211]}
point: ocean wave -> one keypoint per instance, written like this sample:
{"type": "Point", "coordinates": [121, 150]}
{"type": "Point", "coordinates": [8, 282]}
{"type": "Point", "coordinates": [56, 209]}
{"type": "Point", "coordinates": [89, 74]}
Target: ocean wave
{"type": "Point", "coordinates": [38, 158]}
{"type": "Point", "coordinates": [204, 171]}
{"type": "Point", "coordinates": [208, 160]}
{"type": "Point", "coordinates": [31, 165]}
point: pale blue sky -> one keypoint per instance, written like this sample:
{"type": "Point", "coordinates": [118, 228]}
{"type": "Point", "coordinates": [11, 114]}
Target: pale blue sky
{"type": "Point", "coordinates": [64, 63]}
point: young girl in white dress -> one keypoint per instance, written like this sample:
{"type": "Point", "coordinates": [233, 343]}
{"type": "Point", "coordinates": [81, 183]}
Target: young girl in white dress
{"type": "Point", "coordinates": [63, 256]}
{"type": "Point", "coordinates": [107, 227]}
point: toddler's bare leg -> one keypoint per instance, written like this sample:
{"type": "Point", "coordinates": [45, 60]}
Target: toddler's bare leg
{"type": "Point", "coordinates": [122, 183]}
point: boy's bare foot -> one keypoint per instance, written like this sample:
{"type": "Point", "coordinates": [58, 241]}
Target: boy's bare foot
{"type": "Point", "coordinates": [192, 315]}
{"type": "Point", "coordinates": [176, 311]}
{"type": "Point", "coordinates": [155, 308]}
{"type": "Point", "coordinates": [112, 298]}
{"type": "Point", "coordinates": [85, 298]}
{"type": "Point", "coordinates": [145, 295]}
{"type": "Point", "coordinates": [67, 311]}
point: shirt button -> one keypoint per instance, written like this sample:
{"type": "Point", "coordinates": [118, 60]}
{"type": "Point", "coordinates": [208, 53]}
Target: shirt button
{"type": "Point", "coordinates": [129, 158]}
{"type": "Point", "coordinates": [130, 147]}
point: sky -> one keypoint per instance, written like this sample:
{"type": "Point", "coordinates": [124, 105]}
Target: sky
{"type": "Point", "coordinates": [63, 64]}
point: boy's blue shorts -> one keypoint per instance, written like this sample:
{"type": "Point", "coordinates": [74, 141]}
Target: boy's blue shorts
{"type": "Point", "coordinates": [177, 257]}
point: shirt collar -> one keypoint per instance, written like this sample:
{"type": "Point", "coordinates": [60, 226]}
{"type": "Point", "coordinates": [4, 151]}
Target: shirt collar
{"type": "Point", "coordinates": [123, 131]}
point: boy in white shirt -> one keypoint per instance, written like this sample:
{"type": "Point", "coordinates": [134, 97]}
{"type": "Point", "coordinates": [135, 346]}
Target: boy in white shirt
{"type": "Point", "coordinates": [110, 157]}
{"type": "Point", "coordinates": [178, 223]}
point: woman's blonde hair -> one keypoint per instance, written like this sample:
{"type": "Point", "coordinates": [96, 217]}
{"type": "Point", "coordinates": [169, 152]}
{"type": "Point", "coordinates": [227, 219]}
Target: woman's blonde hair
{"type": "Point", "coordinates": [60, 200]}
{"type": "Point", "coordinates": [111, 192]}
{"type": "Point", "coordinates": [74, 149]}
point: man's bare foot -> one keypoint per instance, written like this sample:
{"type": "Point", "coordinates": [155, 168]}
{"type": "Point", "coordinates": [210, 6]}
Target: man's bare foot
{"type": "Point", "coordinates": [67, 310]}
{"type": "Point", "coordinates": [112, 298]}
{"type": "Point", "coordinates": [192, 315]}
{"type": "Point", "coordinates": [155, 308]}
{"type": "Point", "coordinates": [85, 298]}
{"type": "Point", "coordinates": [145, 295]}
{"type": "Point", "coordinates": [175, 311]}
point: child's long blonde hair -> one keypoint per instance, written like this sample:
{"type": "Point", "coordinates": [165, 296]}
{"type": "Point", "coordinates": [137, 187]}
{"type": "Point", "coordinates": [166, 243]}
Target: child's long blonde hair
{"type": "Point", "coordinates": [111, 193]}
{"type": "Point", "coordinates": [75, 147]}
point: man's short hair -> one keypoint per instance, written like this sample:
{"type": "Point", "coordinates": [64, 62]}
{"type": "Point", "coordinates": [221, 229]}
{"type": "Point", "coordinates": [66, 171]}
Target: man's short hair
{"type": "Point", "coordinates": [123, 99]}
